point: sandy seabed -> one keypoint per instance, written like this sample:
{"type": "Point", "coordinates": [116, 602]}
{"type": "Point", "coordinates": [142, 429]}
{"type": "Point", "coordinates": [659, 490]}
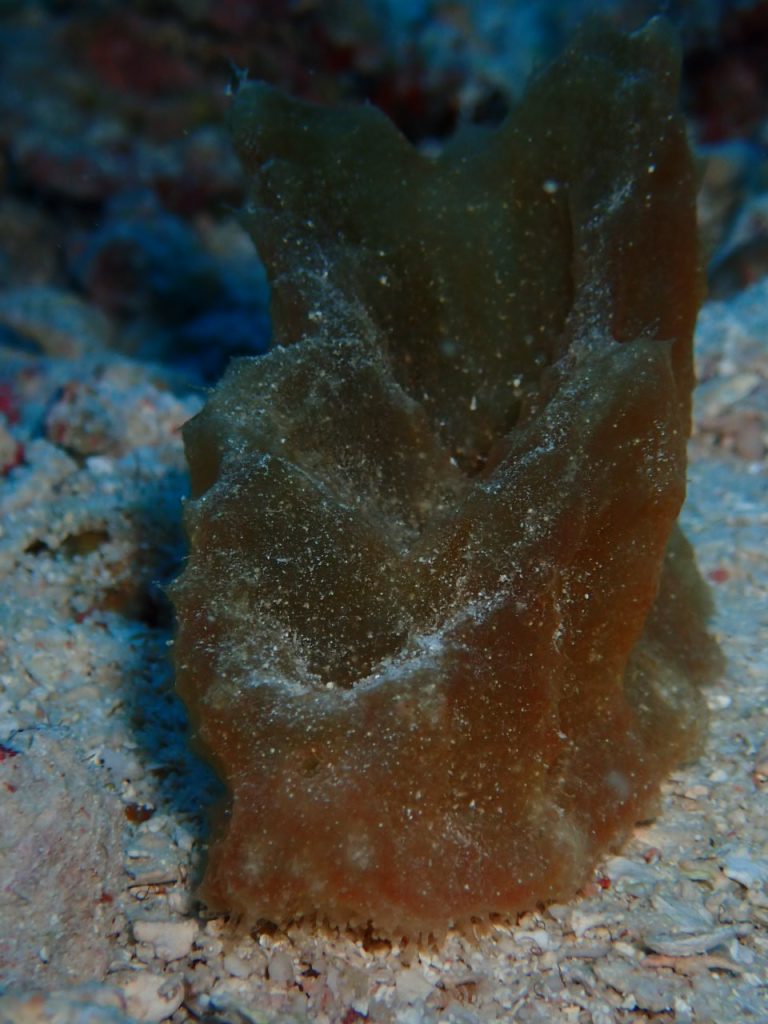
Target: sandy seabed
{"type": "Point", "coordinates": [103, 804]}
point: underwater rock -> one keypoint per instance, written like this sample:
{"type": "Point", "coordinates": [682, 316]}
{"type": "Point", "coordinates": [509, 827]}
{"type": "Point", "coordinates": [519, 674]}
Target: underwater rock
{"type": "Point", "coordinates": [438, 631]}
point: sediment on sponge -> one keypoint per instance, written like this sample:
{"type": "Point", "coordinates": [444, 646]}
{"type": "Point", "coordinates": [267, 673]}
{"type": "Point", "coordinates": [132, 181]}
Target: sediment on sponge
{"type": "Point", "coordinates": [438, 631]}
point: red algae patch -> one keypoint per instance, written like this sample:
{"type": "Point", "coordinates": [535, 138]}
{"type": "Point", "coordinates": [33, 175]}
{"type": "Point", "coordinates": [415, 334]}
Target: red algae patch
{"type": "Point", "coordinates": [438, 632]}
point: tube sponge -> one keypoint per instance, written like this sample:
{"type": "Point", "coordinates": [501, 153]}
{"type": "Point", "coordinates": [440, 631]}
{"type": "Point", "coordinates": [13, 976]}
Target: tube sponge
{"type": "Point", "coordinates": [438, 631]}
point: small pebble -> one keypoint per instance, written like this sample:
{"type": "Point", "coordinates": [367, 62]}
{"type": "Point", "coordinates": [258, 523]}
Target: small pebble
{"type": "Point", "coordinates": [151, 998]}
{"type": "Point", "coordinates": [411, 985]}
{"type": "Point", "coordinates": [236, 966]}
{"type": "Point", "coordinates": [690, 945]}
{"type": "Point", "coordinates": [280, 968]}
{"type": "Point", "coordinates": [171, 940]}
{"type": "Point", "coordinates": [746, 870]}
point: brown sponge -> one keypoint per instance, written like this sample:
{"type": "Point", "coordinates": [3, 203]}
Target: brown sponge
{"type": "Point", "coordinates": [438, 631]}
